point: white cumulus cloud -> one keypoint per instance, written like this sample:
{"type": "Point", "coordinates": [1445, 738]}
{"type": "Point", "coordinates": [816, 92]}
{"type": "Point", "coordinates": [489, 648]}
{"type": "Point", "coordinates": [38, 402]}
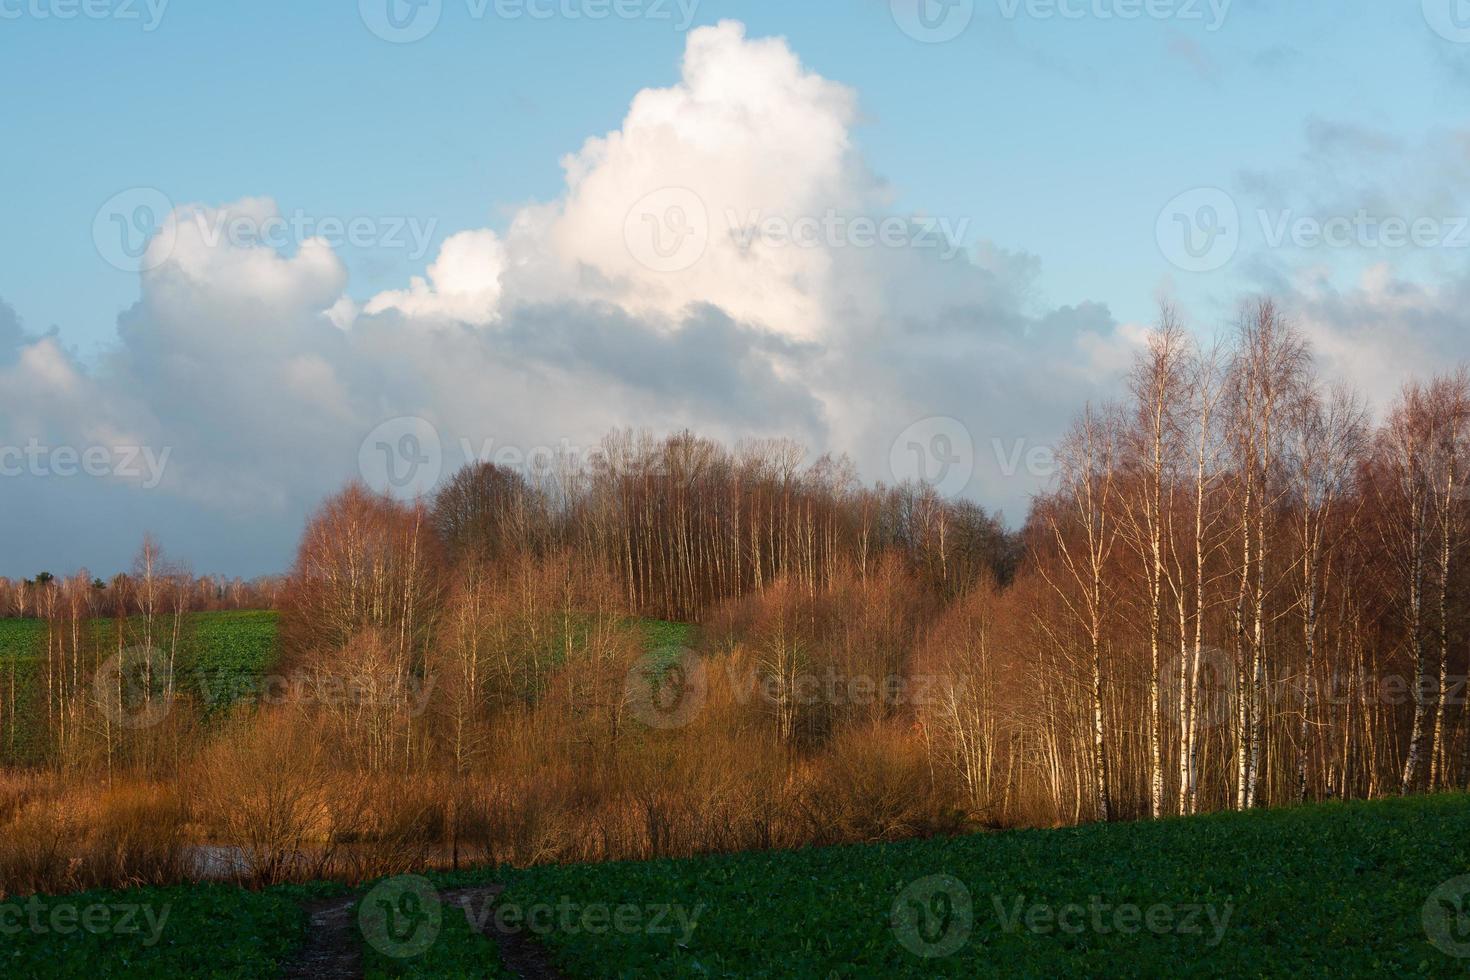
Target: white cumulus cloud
{"type": "Point", "coordinates": [262, 373]}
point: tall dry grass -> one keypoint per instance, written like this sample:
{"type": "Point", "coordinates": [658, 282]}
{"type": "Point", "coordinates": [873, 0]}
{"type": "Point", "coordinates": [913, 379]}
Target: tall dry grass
{"type": "Point", "coordinates": [514, 737]}
{"type": "Point", "coordinates": [58, 836]}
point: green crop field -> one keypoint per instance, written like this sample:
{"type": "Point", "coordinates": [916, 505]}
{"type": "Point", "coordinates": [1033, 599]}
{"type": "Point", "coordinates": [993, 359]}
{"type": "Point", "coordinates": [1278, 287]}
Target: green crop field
{"type": "Point", "coordinates": [20, 638]}
{"type": "Point", "coordinates": [229, 652]}
{"type": "Point", "coordinates": [19, 641]}
{"type": "Point", "coordinates": [1337, 889]}
{"type": "Point", "coordinates": [237, 641]}
{"type": "Point", "coordinates": [221, 656]}
{"type": "Point", "coordinates": [199, 931]}
{"type": "Point", "coordinates": [1357, 889]}
{"type": "Point", "coordinates": [662, 635]}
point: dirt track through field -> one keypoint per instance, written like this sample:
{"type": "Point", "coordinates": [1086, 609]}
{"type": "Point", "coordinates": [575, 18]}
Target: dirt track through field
{"type": "Point", "coordinates": [521, 954]}
{"type": "Point", "coordinates": [333, 948]}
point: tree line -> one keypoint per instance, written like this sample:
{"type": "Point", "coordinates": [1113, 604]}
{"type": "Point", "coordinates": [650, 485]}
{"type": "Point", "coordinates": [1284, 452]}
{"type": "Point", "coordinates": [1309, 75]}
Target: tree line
{"type": "Point", "coordinates": [1242, 589]}
{"type": "Point", "coordinates": [32, 598]}
{"type": "Point", "coordinates": [1256, 589]}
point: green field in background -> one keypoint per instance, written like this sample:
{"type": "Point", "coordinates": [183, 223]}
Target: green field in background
{"type": "Point", "coordinates": [221, 657]}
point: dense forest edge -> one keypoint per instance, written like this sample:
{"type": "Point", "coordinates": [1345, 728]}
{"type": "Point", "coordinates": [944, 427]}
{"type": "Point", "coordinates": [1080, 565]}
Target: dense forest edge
{"type": "Point", "coordinates": [1243, 590]}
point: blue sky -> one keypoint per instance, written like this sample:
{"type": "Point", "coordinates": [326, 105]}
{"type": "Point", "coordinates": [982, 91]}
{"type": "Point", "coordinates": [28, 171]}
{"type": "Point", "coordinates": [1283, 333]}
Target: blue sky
{"type": "Point", "coordinates": [1055, 139]}
{"type": "Point", "coordinates": [1059, 137]}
